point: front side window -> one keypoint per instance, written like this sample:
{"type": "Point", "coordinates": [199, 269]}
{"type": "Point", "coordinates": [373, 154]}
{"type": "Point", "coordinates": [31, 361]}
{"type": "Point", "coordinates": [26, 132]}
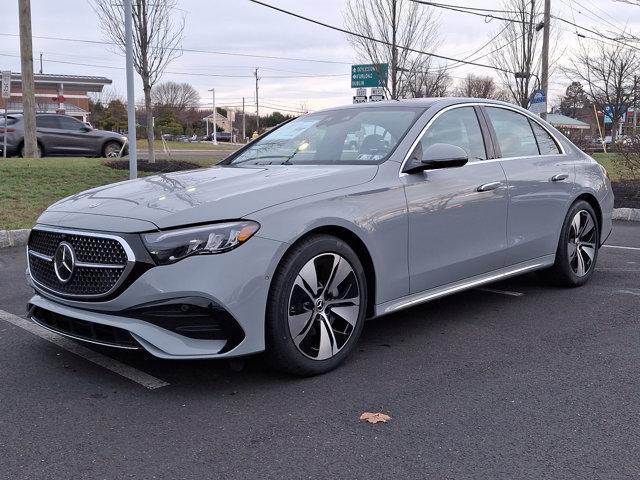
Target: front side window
{"type": "Point", "coordinates": [70, 123]}
{"type": "Point", "coordinates": [346, 136]}
{"type": "Point", "coordinates": [458, 127]}
{"type": "Point", "coordinates": [514, 133]}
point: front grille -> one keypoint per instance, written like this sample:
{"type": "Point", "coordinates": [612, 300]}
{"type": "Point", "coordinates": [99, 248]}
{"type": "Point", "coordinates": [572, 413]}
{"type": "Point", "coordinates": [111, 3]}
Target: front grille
{"type": "Point", "coordinates": [83, 330]}
{"type": "Point", "coordinates": [100, 262]}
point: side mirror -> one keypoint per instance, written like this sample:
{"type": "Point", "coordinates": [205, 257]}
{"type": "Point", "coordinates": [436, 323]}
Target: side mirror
{"type": "Point", "coordinates": [438, 155]}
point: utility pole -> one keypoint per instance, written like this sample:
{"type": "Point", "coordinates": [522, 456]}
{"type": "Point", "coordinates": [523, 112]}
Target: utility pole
{"type": "Point", "coordinates": [28, 96]}
{"type": "Point", "coordinates": [257, 104]}
{"type": "Point", "coordinates": [41, 63]}
{"type": "Point", "coordinates": [635, 104]}
{"type": "Point", "coordinates": [545, 55]}
{"type": "Point", "coordinates": [215, 128]}
{"type": "Point", "coordinates": [244, 124]}
{"type": "Point", "coordinates": [131, 99]}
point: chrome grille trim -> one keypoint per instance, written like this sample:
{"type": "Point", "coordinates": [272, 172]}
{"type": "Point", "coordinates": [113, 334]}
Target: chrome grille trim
{"type": "Point", "coordinates": [131, 260]}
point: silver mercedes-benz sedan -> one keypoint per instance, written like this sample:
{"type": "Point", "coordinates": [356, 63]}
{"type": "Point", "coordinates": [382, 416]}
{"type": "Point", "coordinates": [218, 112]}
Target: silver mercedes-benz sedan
{"type": "Point", "coordinates": [335, 217]}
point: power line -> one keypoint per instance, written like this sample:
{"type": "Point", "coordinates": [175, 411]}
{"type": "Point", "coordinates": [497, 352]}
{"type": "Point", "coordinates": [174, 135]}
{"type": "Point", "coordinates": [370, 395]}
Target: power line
{"type": "Point", "coordinates": [195, 74]}
{"type": "Point", "coordinates": [377, 40]}
{"type": "Point", "coordinates": [469, 10]}
{"type": "Point", "coordinates": [190, 50]}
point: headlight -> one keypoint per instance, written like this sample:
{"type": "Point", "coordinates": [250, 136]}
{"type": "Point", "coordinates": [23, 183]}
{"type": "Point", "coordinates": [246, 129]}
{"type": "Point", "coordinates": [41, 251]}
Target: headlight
{"type": "Point", "coordinates": [171, 246]}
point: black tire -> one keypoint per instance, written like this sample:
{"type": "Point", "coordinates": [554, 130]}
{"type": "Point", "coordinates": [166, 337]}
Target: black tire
{"type": "Point", "coordinates": [40, 150]}
{"type": "Point", "coordinates": [282, 352]}
{"type": "Point", "coordinates": [563, 272]}
{"type": "Point", "coordinates": [111, 149]}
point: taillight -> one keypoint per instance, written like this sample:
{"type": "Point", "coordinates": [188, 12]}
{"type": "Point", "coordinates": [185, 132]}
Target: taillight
{"type": "Point", "coordinates": [9, 130]}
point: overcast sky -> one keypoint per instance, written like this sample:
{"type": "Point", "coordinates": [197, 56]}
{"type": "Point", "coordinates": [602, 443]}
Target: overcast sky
{"type": "Point", "coordinates": [238, 26]}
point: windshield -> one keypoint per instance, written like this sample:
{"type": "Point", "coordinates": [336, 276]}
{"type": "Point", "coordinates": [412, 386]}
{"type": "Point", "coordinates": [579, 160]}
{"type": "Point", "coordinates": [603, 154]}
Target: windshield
{"type": "Point", "coordinates": [349, 136]}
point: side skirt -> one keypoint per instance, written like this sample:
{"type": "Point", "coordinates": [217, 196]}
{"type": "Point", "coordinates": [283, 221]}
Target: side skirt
{"type": "Point", "coordinates": [500, 274]}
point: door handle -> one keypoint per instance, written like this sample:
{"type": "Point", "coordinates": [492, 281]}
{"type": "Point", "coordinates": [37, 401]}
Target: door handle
{"type": "Point", "coordinates": [485, 187]}
{"type": "Point", "coordinates": [559, 177]}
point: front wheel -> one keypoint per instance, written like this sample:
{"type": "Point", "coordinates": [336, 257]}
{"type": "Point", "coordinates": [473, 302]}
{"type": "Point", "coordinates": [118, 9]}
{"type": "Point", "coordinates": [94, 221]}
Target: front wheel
{"type": "Point", "coordinates": [317, 306]}
{"type": "Point", "coordinates": [577, 251]}
{"type": "Point", "coordinates": [111, 150]}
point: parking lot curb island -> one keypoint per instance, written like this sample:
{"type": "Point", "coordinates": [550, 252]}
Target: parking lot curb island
{"type": "Point", "coordinates": [14, 238]}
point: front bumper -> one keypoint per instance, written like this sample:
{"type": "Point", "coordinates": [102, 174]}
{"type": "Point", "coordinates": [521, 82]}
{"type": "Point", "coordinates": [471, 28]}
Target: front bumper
{"type": "Point", "coordinates": [238, 281]}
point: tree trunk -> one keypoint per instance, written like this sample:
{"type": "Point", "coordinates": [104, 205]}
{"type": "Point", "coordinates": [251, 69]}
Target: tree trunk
{"type": "Point", "coordinates": [150, 132]}
{"type": "Point", "coordinates": [394, 52]}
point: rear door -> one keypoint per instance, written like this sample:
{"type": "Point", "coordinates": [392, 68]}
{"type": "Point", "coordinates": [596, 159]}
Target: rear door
{"type": "Point", "coordinates": [50, 134]}
{"type": "Point", "coordinates": [77, 138]}
{"type": "Point", "coordinates": [540, 177]}
{"type": "Point", "coordinates": [457, 216]}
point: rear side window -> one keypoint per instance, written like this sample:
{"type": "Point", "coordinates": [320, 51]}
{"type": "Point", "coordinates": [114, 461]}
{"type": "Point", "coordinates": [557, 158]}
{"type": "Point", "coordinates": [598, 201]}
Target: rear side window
{"type": "Point", "coordinates": [47, 121]}
{"type": "Point", "coordinates": [514, 133]}
{"type": "Point", "coordinates": [546, 143]}
{"type": "Point", "coordinates": [458, 127]}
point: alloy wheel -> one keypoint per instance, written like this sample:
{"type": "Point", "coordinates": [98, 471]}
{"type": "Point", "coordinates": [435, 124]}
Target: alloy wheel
{"type": "Point", "coordinates": [582, 243]}
{"type": "Point", "coordinates": [324, 306]}
{"type": "Point", "coordinates": [112, 150]}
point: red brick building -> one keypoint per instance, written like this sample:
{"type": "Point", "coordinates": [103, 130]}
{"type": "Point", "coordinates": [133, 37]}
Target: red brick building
{"type": "Point", "coordinates": [67, 94]}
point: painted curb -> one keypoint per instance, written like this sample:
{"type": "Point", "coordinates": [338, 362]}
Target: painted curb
{"type": "Point", "coordinates": [16, 238]}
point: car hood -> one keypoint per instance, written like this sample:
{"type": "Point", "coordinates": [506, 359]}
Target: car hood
{"type": "Point", "coordinates": [218, 193]}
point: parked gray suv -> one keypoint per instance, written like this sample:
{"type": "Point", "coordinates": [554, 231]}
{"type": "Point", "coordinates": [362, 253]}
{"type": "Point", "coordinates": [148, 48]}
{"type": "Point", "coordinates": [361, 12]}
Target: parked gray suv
{"type": "Point", "coordinates": [61, 135]}
{"type": "Point", "coordinates": [297, 238]}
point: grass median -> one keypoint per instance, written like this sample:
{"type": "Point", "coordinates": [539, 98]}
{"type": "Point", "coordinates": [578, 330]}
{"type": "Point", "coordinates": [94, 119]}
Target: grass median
{"type": "Point", "coordinates": [29, 186]}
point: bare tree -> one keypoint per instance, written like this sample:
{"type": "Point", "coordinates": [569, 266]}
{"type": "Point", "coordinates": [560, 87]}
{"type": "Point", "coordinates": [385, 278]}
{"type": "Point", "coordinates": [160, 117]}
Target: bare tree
{"type": "Point", "coordinates": [178, 96]}
{"type": "Point", "coordinates": [609, 75]}
{"type": "Point", "coordinates": [434, 83]}
{"type": "Point", "coordinates": [519, 49]}
{"type": "Point", "coordinates": [157, 32]}
{"type": "Point", "coordinates": [106, 96]}
{"type": "Point", "coordinates": [399, 23]}
{"type": "Point", "coordinates": [476, 86]}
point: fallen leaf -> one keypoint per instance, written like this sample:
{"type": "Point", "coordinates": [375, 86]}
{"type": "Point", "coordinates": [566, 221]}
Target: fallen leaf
{"type": "Point", "coordinates": [375, 417]}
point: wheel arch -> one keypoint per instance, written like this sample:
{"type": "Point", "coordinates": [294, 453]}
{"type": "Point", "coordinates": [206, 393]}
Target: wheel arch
{"type": "Point", "coordinates": [593, 201]}
{"type": "Point", "coordinates": [359, 247]}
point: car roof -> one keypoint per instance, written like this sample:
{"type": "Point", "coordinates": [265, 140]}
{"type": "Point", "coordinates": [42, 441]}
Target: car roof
{"type": "Point", "coordinates": [425, 103]}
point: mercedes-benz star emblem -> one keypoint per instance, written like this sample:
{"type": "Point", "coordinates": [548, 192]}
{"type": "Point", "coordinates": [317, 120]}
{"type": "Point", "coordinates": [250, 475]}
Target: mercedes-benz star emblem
{"type": "Point", "coordinates": [64, 261]}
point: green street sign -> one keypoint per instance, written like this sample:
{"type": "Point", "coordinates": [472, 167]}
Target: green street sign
{"type": "Point", "coordinates": [367, 76]}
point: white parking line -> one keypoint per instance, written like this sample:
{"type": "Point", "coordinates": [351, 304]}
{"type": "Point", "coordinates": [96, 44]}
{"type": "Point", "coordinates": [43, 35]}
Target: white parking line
{"type": "Point", "coordinates": [502, 292]}
{"type": "Point", "coordinates": [621, 247]}
{"type": "Point", "coordinates": [121, 369]}
{"type": "Point", "coordinates": [630, 292]}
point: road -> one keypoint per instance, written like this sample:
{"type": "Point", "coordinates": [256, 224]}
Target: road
{"type": "Point", "coordinates": [483, 384]}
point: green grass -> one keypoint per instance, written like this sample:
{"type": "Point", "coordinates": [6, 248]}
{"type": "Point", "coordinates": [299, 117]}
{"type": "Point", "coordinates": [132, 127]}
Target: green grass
{"type": "Point", "coordinates": [28, 186]}
{"type": "Point", "coordinates": [142, 144]}
{"type": "Point", "coordinates": [616, 170]}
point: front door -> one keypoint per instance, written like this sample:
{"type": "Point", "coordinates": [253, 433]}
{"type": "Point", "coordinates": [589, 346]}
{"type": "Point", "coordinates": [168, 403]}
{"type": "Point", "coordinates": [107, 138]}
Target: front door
{"type": "Point", "coordinates": [457, 216]}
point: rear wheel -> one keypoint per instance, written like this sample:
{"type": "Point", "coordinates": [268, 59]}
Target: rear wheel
{"type": "Point", "coordinates": [38, 147]}
{"type": "Point", "coordinates": [111, 150]}
{"type": "Point", "coordinates": [317, 307]}
{"type": "Point", "coordinates": [577, 251]}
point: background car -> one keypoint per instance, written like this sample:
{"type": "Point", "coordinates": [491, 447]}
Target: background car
{"type": "Point", "coordinates": [61, 135]}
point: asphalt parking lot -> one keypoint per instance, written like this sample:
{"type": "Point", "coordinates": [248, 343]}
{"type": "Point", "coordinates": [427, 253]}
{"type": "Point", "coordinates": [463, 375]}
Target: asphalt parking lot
{"type": "Point", "coordinates": [519, 380]}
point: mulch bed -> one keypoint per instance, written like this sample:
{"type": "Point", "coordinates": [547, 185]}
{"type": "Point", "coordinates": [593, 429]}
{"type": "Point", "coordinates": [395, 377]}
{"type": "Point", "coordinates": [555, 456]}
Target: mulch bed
{"type": "Point", "coordinates": [161, 166]}
{"type": "Point", "coordinates": [627, 194]}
